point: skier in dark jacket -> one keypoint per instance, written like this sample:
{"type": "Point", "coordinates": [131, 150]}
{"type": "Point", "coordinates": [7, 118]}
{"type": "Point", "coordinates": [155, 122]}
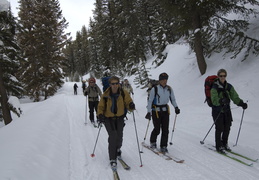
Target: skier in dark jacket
{"type": "Point", "coordinates": [221, 93]}
{"type": "Point", "coordinates": [84, 85]}
{"type": "Point", "coordinates": [75, 89]}
{"type": "Point", "coordinates": [158, 108]}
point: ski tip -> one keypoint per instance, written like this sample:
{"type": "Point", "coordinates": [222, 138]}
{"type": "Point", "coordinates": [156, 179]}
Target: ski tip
{"type": "Point", "coordinates": [141, 165]}
{"type": "Point", "coordinates": [251, 165]}
{"type": "Point", "coordinates": [92, 155]}
{"type": "Point", "coordinates": [181, 161]}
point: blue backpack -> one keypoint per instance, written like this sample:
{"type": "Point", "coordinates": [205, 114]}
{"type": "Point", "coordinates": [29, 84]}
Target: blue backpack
{"type": "Point", "coordinates": [105, 82]}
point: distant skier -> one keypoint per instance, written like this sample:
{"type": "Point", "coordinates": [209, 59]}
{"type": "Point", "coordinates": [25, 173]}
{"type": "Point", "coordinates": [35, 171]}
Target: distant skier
{"type": "Point", "coordinates": [127, 86]}
{"type": "Point", "coordinates": [75, 89]}
{"type": "Point", "coordinates": [105, 81]}
{"type": "Point", "coordinates": [93, 92]}
{"type": "Point", "coordinates": [84, 85]}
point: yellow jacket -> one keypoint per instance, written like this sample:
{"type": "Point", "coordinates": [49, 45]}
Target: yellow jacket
{"type": "Point", "coordinates": [105, 104]}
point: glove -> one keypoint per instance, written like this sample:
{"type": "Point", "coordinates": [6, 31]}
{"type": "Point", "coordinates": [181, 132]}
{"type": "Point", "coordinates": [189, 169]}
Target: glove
{"type": "Point", "coordinates": [243, 105]}
{"type": "Point", "coordinates": [224, 101]}
{"type": "Point", "coordinates": [132, 105]}
{"type": "Point", "coordinates": [101, 118]}
{"type": "Point", "coordinates": [132, 93]}
{"type": "Point", "coordinates": [177, 110]}
{"type": "Point", "coordinates": [85, 93]}
{"type": "Point", "coordinates": [148, 116]}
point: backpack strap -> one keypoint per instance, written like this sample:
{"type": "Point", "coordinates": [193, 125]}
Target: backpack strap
{"type": "Point", "coordinates": [156, 94]}
{"type": "Point", "coordinates": [106, 98]}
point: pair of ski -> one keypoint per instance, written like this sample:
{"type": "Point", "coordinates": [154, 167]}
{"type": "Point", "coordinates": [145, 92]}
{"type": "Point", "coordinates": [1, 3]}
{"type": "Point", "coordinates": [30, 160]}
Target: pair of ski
{"type": "Point", "coordinates": [166, 156]}
{"type": "Point", "coordinates": [235, 156]}
{"type": "Point", "coordinates": [124, 165]}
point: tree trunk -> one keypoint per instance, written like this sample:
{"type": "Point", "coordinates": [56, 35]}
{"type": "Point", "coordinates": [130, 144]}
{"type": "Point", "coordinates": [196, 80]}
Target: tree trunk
{"type": "Point", "coordinates": [198, 43]}
{"type": "Point", "coordinates": [3, 99]}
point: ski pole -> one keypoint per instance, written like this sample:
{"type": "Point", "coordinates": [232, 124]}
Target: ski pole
{"type": "Point", "coordinates": [92, 155]}
{"type": "Point", "coordinates": [145, 135]}
{"type": "Point", "coordinates": [137, 139]}
{"type": "Point", "coordinates": [173, 130]}
{"type": "Point", "coordinates": [240, 126]}
{"type": "Point", "coordinates": [202, 142]}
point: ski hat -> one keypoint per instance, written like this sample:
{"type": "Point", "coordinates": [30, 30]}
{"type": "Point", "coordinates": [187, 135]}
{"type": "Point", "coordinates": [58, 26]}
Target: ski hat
{"type": "Point", "coordinates": [91, 80]}
{"type": "Point", "coordinates": [163, 76]}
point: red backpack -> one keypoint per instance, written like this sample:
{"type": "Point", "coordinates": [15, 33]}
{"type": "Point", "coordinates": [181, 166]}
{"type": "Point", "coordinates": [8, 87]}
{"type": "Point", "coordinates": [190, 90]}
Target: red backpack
{"type": "Point", "coordinates": [208, 85]}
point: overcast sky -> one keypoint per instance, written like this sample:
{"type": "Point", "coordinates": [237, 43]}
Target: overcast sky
{"type": "Point", "coordinates": [76, 12]}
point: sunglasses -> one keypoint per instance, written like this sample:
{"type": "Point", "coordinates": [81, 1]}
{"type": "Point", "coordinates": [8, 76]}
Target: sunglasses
{"type": "Point", "coordinates": [222, 76]}
{"type": "Point", "coordinates": [114, 83]}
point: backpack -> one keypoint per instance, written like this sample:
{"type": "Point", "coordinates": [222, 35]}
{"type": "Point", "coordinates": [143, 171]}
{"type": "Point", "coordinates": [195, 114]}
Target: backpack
{"type": "Point", "coordinates": [105, 82]}
{"type": "Point", "coordinates": [152, 83]}
{"type": "Point", "coordinates": [207, 87]}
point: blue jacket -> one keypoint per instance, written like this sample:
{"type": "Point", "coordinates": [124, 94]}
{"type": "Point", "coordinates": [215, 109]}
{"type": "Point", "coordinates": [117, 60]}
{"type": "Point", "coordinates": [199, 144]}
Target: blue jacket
{"type": "Point", "coordinates": [164, 94]}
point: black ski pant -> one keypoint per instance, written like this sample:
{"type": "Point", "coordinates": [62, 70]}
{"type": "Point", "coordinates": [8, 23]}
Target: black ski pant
{"type": "Point", "coordinates": [92, 107]}
{"type": "Point", "coordinates": [114, 127]}
{"type": "Point", "coordinates": [160, 122]}
{"type": "Point", "coordinates": [223, 122]}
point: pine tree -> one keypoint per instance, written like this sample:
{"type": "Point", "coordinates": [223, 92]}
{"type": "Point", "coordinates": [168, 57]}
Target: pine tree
{"type": "Point", "coordinates": [69, 54]}
{"type": "Point", "coordinates": [78, 53]}
{"type": "Point", "coordinates": [85, 51]}
{"type": "Point", "coordinates": [205, 18]}
{"type": "Point", "coordinates": [42, 38]}
{"type": "Point", "coordinates": [102, 35]}
{"type": "Point", "coordinates": [9, 63]}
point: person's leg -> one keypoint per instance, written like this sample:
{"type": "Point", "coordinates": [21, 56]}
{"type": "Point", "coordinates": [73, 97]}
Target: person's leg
{"type": "Point", "coordinates": [95, 108]}
{"type": "Point", "coordinates": [91, 110]}
{"type": "Point", "coordinates": [156, 130]}
{"type": "Point", "coordinates": [165, 131]}
{"type": "Point", "coordinates": [119, 126]}
{"type": "Point", "coordinates": [112, 139]}
{"type": "Point", "coordinates": [219, 127]}
{"type": "Point", "coordinates": [226, 131]}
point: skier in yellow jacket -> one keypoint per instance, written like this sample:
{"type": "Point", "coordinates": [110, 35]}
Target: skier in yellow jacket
{"type": "Point", "coordinates": [111, 112]}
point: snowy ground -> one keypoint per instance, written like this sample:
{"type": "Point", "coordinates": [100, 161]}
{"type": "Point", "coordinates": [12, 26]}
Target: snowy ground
{"type": "Point", "coordinates": [51, 142]}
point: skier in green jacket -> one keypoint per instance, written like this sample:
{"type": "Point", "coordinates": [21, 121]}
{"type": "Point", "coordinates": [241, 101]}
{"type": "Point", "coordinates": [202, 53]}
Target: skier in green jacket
{"type": "Point", "coordinates": [221, 94]}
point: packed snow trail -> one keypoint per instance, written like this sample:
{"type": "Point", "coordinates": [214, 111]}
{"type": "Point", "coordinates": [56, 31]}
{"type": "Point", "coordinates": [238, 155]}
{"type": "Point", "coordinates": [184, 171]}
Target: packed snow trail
{"type": "Point", "coordinates": [200, 163]}
{"type": "Point", "coordinates": [55, 144]}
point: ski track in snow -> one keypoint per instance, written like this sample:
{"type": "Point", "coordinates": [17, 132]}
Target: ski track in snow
{"type": "Point", "coordinates": [72, 144]}
{"type": "Point", "coordinates": [200, 163]}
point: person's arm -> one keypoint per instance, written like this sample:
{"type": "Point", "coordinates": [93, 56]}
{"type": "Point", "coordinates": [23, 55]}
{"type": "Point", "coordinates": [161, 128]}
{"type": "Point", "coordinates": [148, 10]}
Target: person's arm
{"type": "Point", "coordinates": [150, 100]}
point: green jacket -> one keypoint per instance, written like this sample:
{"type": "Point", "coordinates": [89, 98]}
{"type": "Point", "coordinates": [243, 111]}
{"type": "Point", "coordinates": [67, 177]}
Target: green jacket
{"type": "Point", "coordinates": [217, 91]}
{"type": "Point", "coordinates": [105, 104]}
